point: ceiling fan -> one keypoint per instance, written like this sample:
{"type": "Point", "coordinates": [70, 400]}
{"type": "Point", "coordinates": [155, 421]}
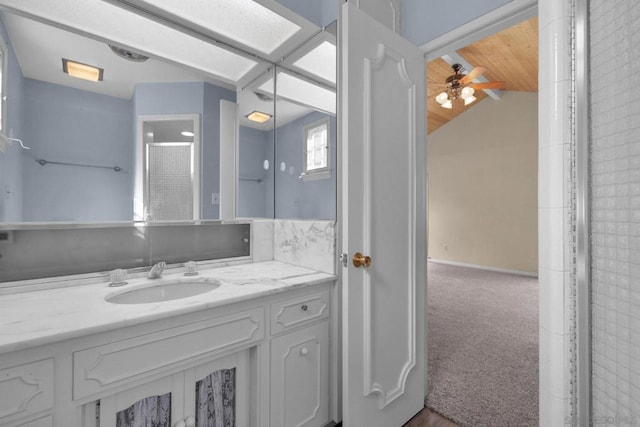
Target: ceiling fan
{"type": "Point", "coordinates": [460, 86]}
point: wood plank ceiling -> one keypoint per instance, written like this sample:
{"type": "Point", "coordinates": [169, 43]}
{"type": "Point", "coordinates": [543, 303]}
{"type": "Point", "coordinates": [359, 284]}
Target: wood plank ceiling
{"type": "Point", "coordinates": [510, 56]}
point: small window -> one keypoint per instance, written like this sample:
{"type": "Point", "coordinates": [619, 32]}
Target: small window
{"type": "Point", "coordinates": [316, 150]}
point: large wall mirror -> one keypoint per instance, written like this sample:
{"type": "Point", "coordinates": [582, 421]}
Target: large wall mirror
{"type": "Point", "coordinates": [178, 92]}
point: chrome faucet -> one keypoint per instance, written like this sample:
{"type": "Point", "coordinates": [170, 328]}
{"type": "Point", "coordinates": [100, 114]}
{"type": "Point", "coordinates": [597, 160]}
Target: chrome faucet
{"type": "Point", "coordinates": [156, 270]}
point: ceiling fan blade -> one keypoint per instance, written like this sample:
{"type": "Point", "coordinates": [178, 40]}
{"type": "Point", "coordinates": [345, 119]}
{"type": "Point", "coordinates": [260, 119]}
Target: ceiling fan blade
{"type": "Point", "coordinates": [487, 85]}
{"type": "Point", "coordinates": [432, 83]}
{"type": "Point", "coordinates": [473, 74]}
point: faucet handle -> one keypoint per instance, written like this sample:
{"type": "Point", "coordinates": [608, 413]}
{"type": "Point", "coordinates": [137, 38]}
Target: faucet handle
{"type": "Point", "coordinates": [190, 266]}
{"type": "Point", "coordinates": [156, 270]}
{"type": "Point", "coordinates": [117, 277]}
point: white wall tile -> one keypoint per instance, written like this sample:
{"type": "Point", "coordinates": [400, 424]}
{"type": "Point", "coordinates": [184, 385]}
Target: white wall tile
{"type": "Point", "coordinates": [552, 411]}
{"type": "Point", "coordinates": [552, 299]}
{"type": "Point", "coordinates": [553, 176]}
{"type": "Point", "coordinates": [615, 186]}
{"type": "Point", "coordinates": [552, 361]}
{"type": "Point", "coordinates": [553, 237]}
{"type": "Point", "coordinates": [554, 121]}
{"type": "Point", "coordinates": [554, 248]}
{"type": "Point", "coordinates": [549, 11]}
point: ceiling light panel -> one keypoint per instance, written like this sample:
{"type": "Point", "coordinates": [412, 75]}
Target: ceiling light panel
{"type": "Point", "coordinates": [82, 71]}
{"type": "Point", "coordinates": [121, 27]}
{"type": "Point", "coordinates": [244, 21]}
{"type": "Point", "coordinates": [259, 117]}
{"type": "Point", "coordinates": [302, 92]}
{"type": "Point", "coordinates": [320, 61]}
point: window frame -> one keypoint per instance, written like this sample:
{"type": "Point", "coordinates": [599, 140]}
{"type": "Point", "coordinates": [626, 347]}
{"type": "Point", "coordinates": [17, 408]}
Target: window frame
{"type": "Point", "coordinates": [320, 173]}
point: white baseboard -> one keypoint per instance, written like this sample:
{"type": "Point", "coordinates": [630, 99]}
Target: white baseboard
{"type": "Point", "coordinates": [483, 267]}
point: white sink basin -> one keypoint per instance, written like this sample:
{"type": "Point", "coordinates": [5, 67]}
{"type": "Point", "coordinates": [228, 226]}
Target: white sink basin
{"type": "Point", "coordinates": [165, 290]}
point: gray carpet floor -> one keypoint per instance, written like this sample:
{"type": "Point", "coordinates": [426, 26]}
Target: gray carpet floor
{"type": "Point", "coordinates": [482, 346]}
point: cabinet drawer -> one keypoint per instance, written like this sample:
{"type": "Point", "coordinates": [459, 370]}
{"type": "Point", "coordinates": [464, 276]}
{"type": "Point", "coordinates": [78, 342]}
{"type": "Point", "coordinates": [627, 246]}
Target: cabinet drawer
{"type": "Point", "coordinates": [107, 366]}
{"type": "Point", "coordinates": [26, 389]}
{"type": "Point", "coordinates": [296, 311]}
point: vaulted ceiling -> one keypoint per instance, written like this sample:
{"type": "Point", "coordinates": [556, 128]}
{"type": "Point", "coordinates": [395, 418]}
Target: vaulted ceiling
{"type": "Point", "coordinates": [510, 56]}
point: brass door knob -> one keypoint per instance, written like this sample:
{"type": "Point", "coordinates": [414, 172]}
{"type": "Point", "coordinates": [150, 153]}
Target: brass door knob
{"type": "Point", "coordinates": [360, 260]}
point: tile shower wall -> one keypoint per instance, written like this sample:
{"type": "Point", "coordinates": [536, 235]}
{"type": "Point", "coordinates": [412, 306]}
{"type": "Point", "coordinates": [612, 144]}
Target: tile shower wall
{"type": "Point", "coordinates": [615, 210]}
{"type": "Point", "coordinates": [34, 254]}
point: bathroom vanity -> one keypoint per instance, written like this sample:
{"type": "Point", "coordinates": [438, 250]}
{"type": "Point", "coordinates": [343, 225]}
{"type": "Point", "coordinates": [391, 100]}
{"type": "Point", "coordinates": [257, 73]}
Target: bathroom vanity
{"type": "Point", "coordinates": [255, 349]}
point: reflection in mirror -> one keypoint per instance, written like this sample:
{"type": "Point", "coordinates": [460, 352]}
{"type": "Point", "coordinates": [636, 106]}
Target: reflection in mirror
{"type": "Point", "coordinates": [82, 163]}
{"type": "Point", "coordinates": [256, 148]}
{"type": "Point", "coordinates": [305, 177]}
{"type": "Point", "coordinates": [170, 168]}
{"type": "Point", "coordinates": [305, 180]}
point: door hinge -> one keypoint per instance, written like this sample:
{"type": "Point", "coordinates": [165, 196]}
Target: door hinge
{"type": "Point", "coordinates": [344, 260]}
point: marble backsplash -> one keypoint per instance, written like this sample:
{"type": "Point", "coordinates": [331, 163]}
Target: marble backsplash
{"type": "Point", "coordinates": [305, 243]}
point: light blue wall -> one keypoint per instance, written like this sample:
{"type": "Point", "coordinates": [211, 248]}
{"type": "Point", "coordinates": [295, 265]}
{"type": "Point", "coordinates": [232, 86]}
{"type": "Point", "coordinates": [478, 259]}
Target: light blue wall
{"type": "Point", "coordinates": [211, 150]}
{"type": "Point", "coordinates": [191, 98]}
{"type": "Point", "coordinates": [11, 188]}
{"type": "Point", "coordinates": [76, 126]}
{"type": "Point", "coordinates": [424, 20]}
{"type": "Point", "coordinates": [296, 198]}
{"type": "Point", "coordinates": [320, 12]}
{"type": "Point", "coordinates": [255, 199]}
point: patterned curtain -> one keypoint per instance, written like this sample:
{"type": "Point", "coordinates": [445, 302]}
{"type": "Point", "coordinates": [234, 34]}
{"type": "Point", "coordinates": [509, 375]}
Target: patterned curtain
{"type": "Point", "coordinates": [154, 411]}
{"type": "Point", "coordinates": [215, 399]}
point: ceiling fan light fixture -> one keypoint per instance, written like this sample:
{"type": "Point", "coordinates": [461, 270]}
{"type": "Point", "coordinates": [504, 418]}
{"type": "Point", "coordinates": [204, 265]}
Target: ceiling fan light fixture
{"type": "Point", "coordinates": [447, 104]}
{"type": "Point", "coordinates": [442, 98]}
{"type": "Point", "coordinates": [469, 99]}
{"type": "Point", "coordinates": [467, 92]}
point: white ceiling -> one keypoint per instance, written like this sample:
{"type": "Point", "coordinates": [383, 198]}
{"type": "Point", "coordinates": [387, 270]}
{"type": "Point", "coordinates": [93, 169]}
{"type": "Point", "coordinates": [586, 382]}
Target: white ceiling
{"type": "Point", "coordinates": [40, 49]}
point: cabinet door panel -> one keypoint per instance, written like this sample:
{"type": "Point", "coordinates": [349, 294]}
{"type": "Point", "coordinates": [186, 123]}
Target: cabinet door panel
{"type": "Point", "coordinates": [156, 403]}
{"type": "Point", "coordinates": [300, 378]}
{"type": "Point", "coordinates": [26, 389]}
{"type": "Point", "coordinates": [216, 393]}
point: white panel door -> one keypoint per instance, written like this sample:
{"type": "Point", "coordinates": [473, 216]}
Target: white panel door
{"type": "Point", "coordinates": [383, 217]}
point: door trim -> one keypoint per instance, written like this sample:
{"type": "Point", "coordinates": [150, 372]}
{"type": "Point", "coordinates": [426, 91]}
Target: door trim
{"type": "Point", "coordinates": [497, 20]}
{"type": "Point", "coordinates": [492, 22]}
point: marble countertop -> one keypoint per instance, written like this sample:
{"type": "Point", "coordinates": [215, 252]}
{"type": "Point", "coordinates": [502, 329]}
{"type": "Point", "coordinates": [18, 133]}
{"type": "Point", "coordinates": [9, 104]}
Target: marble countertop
{"type": "Point", "coordinates": [35, 318]}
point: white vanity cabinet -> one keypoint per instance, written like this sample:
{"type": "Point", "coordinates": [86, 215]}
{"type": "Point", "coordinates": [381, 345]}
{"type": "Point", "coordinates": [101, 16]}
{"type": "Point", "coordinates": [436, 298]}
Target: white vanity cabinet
{"type": "Point", "coordinates": [276, 347]}
{"type": "Point", "coordinates": [300, 361]}
{"type": "Point", "coordinates": [27, 389]}
{"type": "Point", "coordinates": [216, 390]}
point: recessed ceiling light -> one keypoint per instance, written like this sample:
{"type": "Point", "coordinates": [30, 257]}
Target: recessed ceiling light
{"type": "Point", "coordinates": [187, 133]}
{"type": "Point", "coordinates": [259, 117]}
{"type": "Point", "coordinates": [82, 71]}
